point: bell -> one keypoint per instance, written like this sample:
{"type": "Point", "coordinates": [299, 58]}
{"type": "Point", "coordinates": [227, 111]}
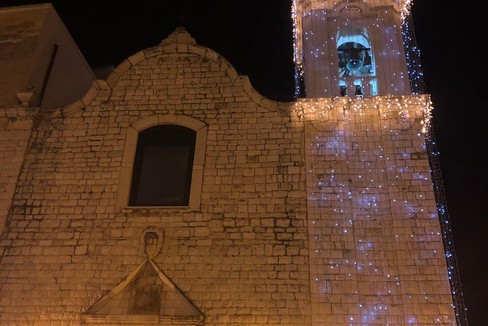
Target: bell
{"type": "Point", "coordinates": [354, 64]}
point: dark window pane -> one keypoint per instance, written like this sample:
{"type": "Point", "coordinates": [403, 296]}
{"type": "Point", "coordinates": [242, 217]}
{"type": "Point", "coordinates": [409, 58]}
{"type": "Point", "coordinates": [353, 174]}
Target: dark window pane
{"type": "Point", "coordinates": [163, 167]}
{"type": "Point", "coordinates": [358, 90]}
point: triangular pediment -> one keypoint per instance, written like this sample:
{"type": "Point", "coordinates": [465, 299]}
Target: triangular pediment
{"type": "Point", "coordinates": [145, 297]}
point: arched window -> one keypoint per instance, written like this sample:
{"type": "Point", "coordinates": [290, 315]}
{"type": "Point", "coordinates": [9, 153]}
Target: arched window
{"type": "Point", "coordinates": [163, 163]}
{"type": "Point", "coordinates": [163, 167]}
{"type": "Point", "coordinates": [355, 62]}
{"type": "Point", "coordinates": [355, 54]}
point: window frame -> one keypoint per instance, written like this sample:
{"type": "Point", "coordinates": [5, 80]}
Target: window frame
{"type": "Point", "coordinates": [128, 158]}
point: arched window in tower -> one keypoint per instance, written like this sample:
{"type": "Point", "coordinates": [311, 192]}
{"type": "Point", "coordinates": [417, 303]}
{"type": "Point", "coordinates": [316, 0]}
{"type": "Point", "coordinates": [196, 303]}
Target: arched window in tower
{"type": "Point", "coordinates": [355, 54]}
{"type": "Point", "coordinates": [163, 166]}
{"type": "Point", "coordinates": [355, 61]}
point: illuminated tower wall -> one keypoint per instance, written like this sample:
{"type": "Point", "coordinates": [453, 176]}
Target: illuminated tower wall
{"type": "Point", "coordinates": [376, 248]}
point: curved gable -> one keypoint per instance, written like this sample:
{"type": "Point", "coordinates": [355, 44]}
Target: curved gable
{"type": "Point", "coordinates": [179, 43]}
{"type": "Point", "coordinates": [172, 62]}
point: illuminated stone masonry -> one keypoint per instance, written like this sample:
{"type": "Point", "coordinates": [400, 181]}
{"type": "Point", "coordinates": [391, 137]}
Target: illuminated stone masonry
{"type": "Point", "coordinates": [376, 252]}
{"type": "Point", "coordinates": [318, 212]}
{"type": "Point", "coordinates": [15, 130]}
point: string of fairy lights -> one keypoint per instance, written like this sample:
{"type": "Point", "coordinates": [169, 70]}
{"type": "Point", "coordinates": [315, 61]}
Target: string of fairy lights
{"type": "Point", "coordinates": [347, 32]}
{"type": "Point", "coordinates": [343, 189]}
{"type": "Point", "coordinates": [417, 85]}
{"type": "Point", "coordinates": [331, 187]}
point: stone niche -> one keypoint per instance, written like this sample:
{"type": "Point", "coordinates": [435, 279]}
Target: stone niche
{"type": "Point", "coordinates": [145, 297]}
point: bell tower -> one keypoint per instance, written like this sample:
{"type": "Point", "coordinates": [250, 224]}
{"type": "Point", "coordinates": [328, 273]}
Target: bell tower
{"type": "Point", "coordinates": [379, 239]}
{"type": "Point", "coordinates": [351, 47]}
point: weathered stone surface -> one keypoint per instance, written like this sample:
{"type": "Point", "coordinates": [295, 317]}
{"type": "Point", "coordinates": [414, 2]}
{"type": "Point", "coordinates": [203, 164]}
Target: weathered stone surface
{"type": "Point", "coordinates": [309, 213]}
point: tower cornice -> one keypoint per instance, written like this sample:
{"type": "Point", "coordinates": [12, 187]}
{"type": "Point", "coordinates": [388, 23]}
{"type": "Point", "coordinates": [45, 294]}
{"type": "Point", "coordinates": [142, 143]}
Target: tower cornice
{"type": "Point", "coordinates": [306, 6]}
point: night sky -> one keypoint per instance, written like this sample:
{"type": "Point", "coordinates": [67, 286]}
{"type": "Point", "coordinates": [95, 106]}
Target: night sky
{"type": "Point", "coordinates": [256, 37]}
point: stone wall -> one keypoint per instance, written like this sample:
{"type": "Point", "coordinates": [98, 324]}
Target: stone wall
{"type": "Point", "coordinates": [15, 130]}
{"type": "Point", "coordinates": [376, 249]}
{"type": "Point", "coordinates": [241, 257]}
{"type": "Point", "coordinates": [286, 221]}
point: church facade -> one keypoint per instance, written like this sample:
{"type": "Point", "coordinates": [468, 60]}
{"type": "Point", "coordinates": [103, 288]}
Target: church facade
{"type": "Point", "coordinates": [172, 193]}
